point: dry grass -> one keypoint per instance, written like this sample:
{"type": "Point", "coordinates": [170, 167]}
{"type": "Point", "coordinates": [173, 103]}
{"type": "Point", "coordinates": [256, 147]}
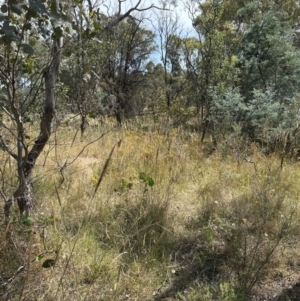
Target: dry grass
{"type": "Point", "coordinates": [211, 227]}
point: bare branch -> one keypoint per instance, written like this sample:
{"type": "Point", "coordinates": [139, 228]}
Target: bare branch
{"type": "Point", "coordinates": [5, 146]}
{"type": "Point", "coordinates": [121, 17]}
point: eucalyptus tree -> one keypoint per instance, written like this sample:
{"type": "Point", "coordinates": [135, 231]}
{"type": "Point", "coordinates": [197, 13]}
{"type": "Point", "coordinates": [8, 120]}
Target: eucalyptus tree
{"type": "Point", "coordinates": [269, 60]}
{"type": "Point", "coordinates": [153, 91]}
{"type": "Point", "coordinates": [267, 56]}
{"type": "Point", "coordinates": [24, 77]}
{"type": "Point", "coordinates": [263, 98]}
{"type": "Point", "coordinates": [82, 68]}
{"type": "Point", "coordinates": [21, 23]}
{"type": "Point", "coordinates": [209, 56]}
{"type": "Point", "coordinates": [108, 62]}
{"type": "Point", "coordinates": [169, 31]}
{"type": "Point", "coordinates": [123, 74]}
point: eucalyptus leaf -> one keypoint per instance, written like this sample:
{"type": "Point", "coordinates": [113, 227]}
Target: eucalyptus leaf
{"type": "Point", "coordinates": [27, 26]}
{"type": "Point", "coordinates": [67, 53]}
{"type": "Point", "coordinates": [64, 16]}
{"type": "Point", "coordinates": [38, 7]}
{"type": "Point", "coordinates": [4, 90]}
{"type": "Point", "coordinates": [25, 7]}
{"type": "Point", "coordinates": [4, 8]}
{"type": "Point", "coordinates": [58, 33]}
{"type": "Point", "coordinates": [27, 221]}
{"type": "Point", "coordinates": [8, 32]}
{"type": "Point", "coordinates": [16, 9]}
{"type": "Point", "coordinates": [97, 26]}
{"type": "Point", "coordinates": [150, 181]}
{"type": "Point", "coordinates": [54, 15]}
{"type": "Point", "coordinates": [27, 49]}
{"type": "Point", "coordinates": [3, 17]}
{"type": "Point", "coordinates": [39, 257]}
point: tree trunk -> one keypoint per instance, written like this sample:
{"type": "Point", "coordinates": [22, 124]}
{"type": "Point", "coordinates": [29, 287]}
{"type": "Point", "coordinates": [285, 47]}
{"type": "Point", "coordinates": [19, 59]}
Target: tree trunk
{"type": "Point", "coordinates": [26, 162]}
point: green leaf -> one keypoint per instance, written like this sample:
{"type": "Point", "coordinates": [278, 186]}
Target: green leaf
{"type": "Point", "coordinates": [53, 6]}
{"type": "Point", "coordinates": [28, 232]}
{"type": "Point", "coordinates": [150, 181]}
{"type": "Point", "coordinates": [91, 114]}
{"type": "Point", "coordinates": [209, 235]}
{"type": "Point", "coordinates": [25, 7]}
{"type": "Point", "coordinates": [16, 9]}
{"type": "Point", "coordinates": [39, 257]}
{"type": "Point", "coordinates": [4, 8]}
{"type": "Point", "coordinates": [27, 49]}
{"type": "Point", "coordinates": [74, 26]}
{"type": "Point", "coordinates": [142, 176]}
{"type": "Point", "coordinates": [8, 32]}
{"type": "Point", "coordinates": [27, 221]}
{"type": "Point", "coordinates": [93, 34]}
{"type": "Point", "coordinates": [67, 30]}
{"type": "Point", "coordinates": [4, 90]}
{"type": "Point", "coordinates": [54, 15]}
{"type": "Point", "coordinates": [3, 17]}
{"type": "Point", "coordinates": [27, 26]}
{"type": "Point", "coordinates": [38, 7]}
{"type": "Point", "coordinates": [32, 41]}
{"type": "Point", "coordinates": [67, 53]}
{"type": "Point", "coordinates": [97, 26]}
{"type": "Point", "coordinates": [58, 32]}
{"type": "Point", "coordinates": [64, 16]}
{"type": "Point", "coordinates": [84, 34]}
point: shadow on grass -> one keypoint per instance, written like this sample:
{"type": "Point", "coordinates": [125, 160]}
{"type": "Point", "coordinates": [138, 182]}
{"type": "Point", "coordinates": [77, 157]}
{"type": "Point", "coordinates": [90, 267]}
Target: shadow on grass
{"type": "Point", "coordinates": [290, 294]}
{"type": "Point", "coordinates": [231, 248]}
{"type": "Point", "coordinates": [195, 264]}
{"type": "Point", "coordinates": [139, 229]}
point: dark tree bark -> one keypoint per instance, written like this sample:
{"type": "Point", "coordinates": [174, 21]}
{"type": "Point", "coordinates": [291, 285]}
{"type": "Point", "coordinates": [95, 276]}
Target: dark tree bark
{"type": "Point", "coordinates": [26, 162]}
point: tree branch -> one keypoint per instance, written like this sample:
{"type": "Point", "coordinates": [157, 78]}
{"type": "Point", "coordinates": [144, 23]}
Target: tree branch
{"type": "Point", "coordinates": [5, 146]}
{"type": "Point", "coordinates": [127, 13]}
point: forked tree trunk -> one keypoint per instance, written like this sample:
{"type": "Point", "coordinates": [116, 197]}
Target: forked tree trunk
{"type": "Point", "coordinates": [27, 159]}
{"type": "Point", "coordinates": [26, 163]}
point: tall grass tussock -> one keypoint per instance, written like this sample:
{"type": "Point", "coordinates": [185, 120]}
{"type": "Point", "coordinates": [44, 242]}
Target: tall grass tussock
{"type": "Point", "coordinates": [159, 217]}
